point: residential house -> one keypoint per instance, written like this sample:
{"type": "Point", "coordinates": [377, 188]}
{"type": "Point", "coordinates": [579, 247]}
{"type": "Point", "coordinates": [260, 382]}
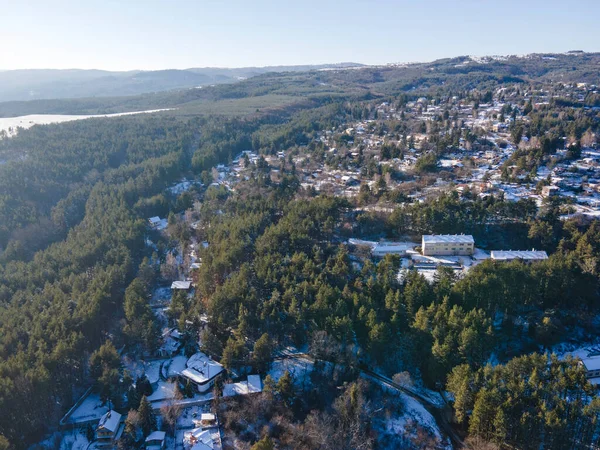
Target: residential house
{"type": "Point", "coordinates": [156, 440]}
{"type": "Point", "coordinates": [157, 223]}
{"type": "Point", "coordinates": [171, 342]}
{"type": "Point", "coordinates": [109, 430]}
{"type": "Point", "coordinates": [202, 371]}
{"type": "Point", "coordinates": [550, 191]}
{"type": "Point", "coordinates": [591, 365]}
{"type": "Point", "coordinates": [251, 386]}
{"type": "Point", "coordinates": [198, 439]}
{"type": "Point", "coordinates": [181, 285]}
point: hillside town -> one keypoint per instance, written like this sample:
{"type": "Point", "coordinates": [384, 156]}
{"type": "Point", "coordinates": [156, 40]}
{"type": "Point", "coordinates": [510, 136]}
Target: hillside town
{"type": "Point", "coordinates": [359, 161]}
{"type": "Point", "coordinates": [378, 270]}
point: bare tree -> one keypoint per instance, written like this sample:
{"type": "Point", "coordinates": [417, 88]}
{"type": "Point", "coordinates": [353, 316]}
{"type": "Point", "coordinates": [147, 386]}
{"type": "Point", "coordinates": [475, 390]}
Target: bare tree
{"type": "Point", "coordinates": [403, 379]}
{"type": "Point", "coordinates": [170, 269]}
{"type": "Point", "coordinates": [477, 443]}
{"type": "Point", "coordinates": [171, 411]}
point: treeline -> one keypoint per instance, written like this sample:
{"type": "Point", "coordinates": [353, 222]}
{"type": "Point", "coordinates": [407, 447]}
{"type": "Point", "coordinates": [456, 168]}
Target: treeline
{"type": "Point", "coordinates": [62, 304]}
{"type": "Point", "coordinates": [531, 402]}
{"type": "Point", "coordinates": [47, 164]}
{"type": "Point", "coordinates": [63, 294]}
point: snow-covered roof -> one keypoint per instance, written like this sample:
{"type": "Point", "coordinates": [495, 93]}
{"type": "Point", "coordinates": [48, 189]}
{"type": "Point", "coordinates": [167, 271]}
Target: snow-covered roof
{"type": "Point", "coordinates": [198, 439]}
{"type": "Point", "coordinates": [181, 285]}
{"type": "Point", "coordinates": [158, 223]}
{"type": "Point", "coordinates": [207, 417]}
{"type": "Point", "coordinates": [448, 238]}
{"type": "Point", "coordinates": [233, 389]}
{"type": "Point", "coordinates": [527, 255]}
{"type": "Point", "coordinates": [201, 369]}
{"type": "Point", "coordinates": [591, 362]}
{"type": "Point", "coordinates": [254, 384]}
{"type": "Point", "coordinates": [156, 436]}
{"type": "Point", "coordinates": [383, 248]}
{"type": "Point", "coordinates": [110, 421]}
{"type": "Point", "coordinates": [251, 386]}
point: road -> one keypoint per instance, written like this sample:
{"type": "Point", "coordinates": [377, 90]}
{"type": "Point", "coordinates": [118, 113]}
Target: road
{"type": "Point", "coordinates": [440, 414]}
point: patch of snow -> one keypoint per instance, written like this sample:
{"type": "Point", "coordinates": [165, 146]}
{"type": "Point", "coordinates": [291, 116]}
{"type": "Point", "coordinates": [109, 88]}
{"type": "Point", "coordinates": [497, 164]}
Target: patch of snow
{"type": "Point", "coordinates": [299, 369]}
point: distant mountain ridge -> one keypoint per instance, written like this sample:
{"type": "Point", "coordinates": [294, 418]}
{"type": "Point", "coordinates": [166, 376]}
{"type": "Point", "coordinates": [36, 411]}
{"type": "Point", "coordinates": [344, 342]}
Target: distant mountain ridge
{"type": "Point", "coordinates": [38, 84]}
{"type": "Point", "coordinates": [101, 92]}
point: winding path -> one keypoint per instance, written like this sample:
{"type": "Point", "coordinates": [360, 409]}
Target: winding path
{"type": "Point", "coordinates": [440, 414]}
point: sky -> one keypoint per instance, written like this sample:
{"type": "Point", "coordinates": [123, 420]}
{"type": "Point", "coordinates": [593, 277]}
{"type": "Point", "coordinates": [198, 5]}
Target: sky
{"type": "Point", "coordinates": [179, 34]}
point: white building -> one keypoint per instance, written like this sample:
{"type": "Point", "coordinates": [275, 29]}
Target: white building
{"type": "Point", "coordinates": [591, 365]}
{"type": "Point", "coordinates": [202, 371]}
{"type": "Point", "coordinates": [523, 255]}
{"type": "Point", "coordinates": [157, 223]}
{"type": "Point", "coordinates": [181, 285]}
{"type": "Point", "coordinates": [252, 386]}
{"type": "Point", "coordinates": [447, 244]}
{"type": "Point", "coordinates": [382, 248]}
{"type": "Point", "coordinates": [391, 248]}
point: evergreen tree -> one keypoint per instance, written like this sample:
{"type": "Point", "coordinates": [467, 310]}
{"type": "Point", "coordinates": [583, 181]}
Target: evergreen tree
{"type": "Point", "coordinates": [285, 387]}
{"type": "Point", "coordinates": [264, 444]}
{"type": "Point", "coordinates": [147, 417]}
{"type": "Point", "coordinates": [262, 354]}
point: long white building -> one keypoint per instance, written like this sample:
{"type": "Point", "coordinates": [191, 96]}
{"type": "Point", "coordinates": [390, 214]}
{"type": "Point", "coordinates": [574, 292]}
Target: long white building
{"type": "Point", "coordinates": [523, 255]}
{"type": "Point", "coordinates": [447, 244]}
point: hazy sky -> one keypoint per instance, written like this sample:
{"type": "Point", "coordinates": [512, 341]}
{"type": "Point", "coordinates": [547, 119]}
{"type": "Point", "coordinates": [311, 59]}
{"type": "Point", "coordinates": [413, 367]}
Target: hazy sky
{"type": "Point", "coordinates": [155, 34]}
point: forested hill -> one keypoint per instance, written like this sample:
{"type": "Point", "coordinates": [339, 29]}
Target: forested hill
{"type": "Point", "coordinates": [85, 187]}
{"type": "Point", "coordinates": [452, 75]}
{"type": "Point", "coordinates": [18, 85]}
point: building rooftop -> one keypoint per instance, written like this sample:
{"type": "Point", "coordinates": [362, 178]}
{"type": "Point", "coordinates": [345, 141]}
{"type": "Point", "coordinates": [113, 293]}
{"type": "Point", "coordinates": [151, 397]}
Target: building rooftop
{"type": "Point", "coordinates": [251, 386]}
{"type": "Point", "coordinates": [198, 439]}
{"type": "Point", "coordinates": [200, 368]}
{"type": "Point", "coordinates": [156, 436]}
{"type": "Point", "coordinates": [110, 421]}
{"type": "Point", "coordinates": [254, 384]}
{"type": "Point", "coordinates": [208, 417]}
{"type": "Point", "coordinates": [591, 362]}
{"type": "Point", "coordinates": [448, 238]}
{"type": "Point", "coordinates": [527, 255]}
{"type": "Point", "coordinates": [185, 285]}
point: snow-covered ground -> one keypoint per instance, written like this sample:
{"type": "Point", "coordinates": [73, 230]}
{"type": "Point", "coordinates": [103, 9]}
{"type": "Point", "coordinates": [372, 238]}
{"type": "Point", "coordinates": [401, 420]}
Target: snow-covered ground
{"type": "Point", "coordinates": [299, 369]}
{"type": "Point", "coordinates": [182, 187]}
{"type": "Point", "coordinates": [414, 413]}
{"type": "Point", "coordinates": [408, 425]}
{"type": "Point", "coordinates": [76, 441]}
{"type": "Point", "coordinates": [164, 391]}
{"type": "Point", "coordinates": [68, 440]}
{"type": "Point", "coordinates": [190, 417]}
{"type": "Point", "coordinates": [150, 368]}
{"type": "Point", "coordinates": [90, 409]}
{"type": "Point", "coordinates": [175, 366]}
{"type": "Point", "coordinates": [161, 296]}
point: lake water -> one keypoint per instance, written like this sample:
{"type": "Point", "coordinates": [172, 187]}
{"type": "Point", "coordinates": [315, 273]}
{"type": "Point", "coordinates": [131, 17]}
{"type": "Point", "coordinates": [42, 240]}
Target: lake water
{"type": "Point", "coordinates": [11, 124]}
